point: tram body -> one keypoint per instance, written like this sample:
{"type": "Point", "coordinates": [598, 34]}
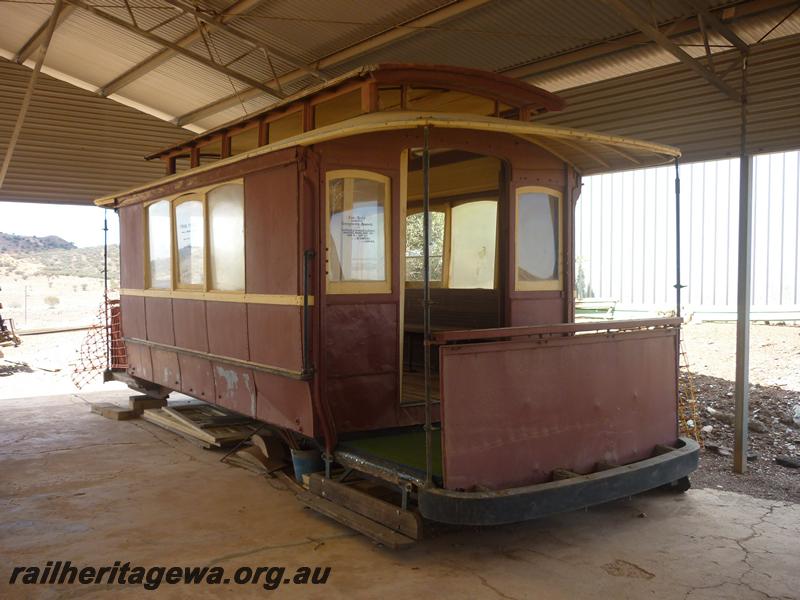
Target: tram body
{"type": "Point", "coordinates": [281, 275]}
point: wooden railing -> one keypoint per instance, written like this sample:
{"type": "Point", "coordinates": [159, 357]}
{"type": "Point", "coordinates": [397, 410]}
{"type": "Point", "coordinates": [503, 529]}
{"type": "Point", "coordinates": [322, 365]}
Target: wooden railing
{"type": "Point", "coordinates": [444, 337]}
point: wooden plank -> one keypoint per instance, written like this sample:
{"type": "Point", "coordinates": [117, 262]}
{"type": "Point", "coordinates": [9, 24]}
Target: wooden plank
{"type": "Point", "coordinates": [112, 411]}
{"type": "Point", "coordinates": [155, 416]}
{"type": "Point", "coordinates": [139, 404]}
{"type": "Point", "coordinates": [220, 422]}
{"type": "Point", "coordinates": [374, 531]}
{"type": "Point", "coordinates": [560, 328]}
{"type": "Point", "coordinates": [387, 514]}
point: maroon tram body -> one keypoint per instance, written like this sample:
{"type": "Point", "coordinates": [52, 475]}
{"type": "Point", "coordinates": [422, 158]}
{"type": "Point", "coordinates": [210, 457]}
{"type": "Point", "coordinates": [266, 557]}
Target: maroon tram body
{"type": "Point", "coordinates": [319, 337]}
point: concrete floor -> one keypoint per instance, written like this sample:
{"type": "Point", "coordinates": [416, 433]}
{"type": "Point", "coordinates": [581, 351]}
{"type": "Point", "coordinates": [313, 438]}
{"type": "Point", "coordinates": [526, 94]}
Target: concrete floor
{"type": "Point", "coordinates": [75, 486]}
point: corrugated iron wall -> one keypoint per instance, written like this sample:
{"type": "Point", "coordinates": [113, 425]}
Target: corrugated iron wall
{"type": "Point", "coordinates": [75, 146]}
{"type": "Point", "coordinates": [625, 238]}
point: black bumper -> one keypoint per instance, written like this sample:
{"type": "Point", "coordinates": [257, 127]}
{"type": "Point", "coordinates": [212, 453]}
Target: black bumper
{"type": "Point", "coordinates": [535, 501]}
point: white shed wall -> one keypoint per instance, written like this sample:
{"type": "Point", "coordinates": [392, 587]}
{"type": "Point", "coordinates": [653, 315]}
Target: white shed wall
{"type": "Point", "coordinates": [625, 237]}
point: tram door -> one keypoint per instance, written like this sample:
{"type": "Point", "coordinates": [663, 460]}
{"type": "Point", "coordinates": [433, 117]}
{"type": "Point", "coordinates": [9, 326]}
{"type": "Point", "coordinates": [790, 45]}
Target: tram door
{"type": "Point", "coordinates": [464, 256]}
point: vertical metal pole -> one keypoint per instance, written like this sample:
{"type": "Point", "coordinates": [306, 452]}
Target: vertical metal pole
{"type": "Point", "coordinates": [26, 101]}
{"type": "Point", "coordinates": [426, 303]}
{"type": "Point", "coordinates": [105, 287]}
{"type": "Point", "coordinates": [678, 284]}
{"type": "Point", "coordinates": [742, 393]}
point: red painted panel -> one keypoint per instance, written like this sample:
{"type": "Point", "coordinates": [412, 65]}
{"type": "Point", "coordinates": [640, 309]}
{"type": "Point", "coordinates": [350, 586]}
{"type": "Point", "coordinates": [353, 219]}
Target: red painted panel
{"type": "Point", "coordinates": [276, 335]}
{"type": "Point", "coordinates": [189, 317]}
{"type": "Point", "coordinates": [131, 242]}
{"type": "Point", "coordinates": [361, 338]}
{"type": "Point", "coordinates": [536, 310]}
{"type": "Point", "coordinates": [284, 402]}
{"type": "Point", "coordinates": [513, 412]}
{"type": "Point", "coordinates": [364, 403]}
{"type": "Point", "coordinates": [271, 230]}
{"type": "Point", "coordinates": [133, 321]}
{"type": "Point", "coordinates": [235, 388]}
{"type": "Point", "coordinates": [158, 314]}
{"type": "Point", "coordinates": [196, 377]}
{"type": "Point", "coordinates": [166, 370]}
{"type": "Point", "coordinates": [227, 329]}
{"type": "Point", "coordinates": [139, 361]}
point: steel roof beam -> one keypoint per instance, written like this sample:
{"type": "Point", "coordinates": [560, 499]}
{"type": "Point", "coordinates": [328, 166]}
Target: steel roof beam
{"type": "Point", "coordinates": [50, 27]}
{"type": "Point", "coordinates": [256, 44]}
{"type": "Point", "coordinates": [393, 34]}
{"type": "Point", "coordinates": [718, 26]}
{"type": "Point", "coordinates": [179, 49]}
{"type": "Point", "coordinates": [641, 23]}
{"type": "Point", "coordinates": [159, 58]}
{"type": "Point", "coordinates": [37, 39]}
{"type": "Point", "coordinates": [599, 49]}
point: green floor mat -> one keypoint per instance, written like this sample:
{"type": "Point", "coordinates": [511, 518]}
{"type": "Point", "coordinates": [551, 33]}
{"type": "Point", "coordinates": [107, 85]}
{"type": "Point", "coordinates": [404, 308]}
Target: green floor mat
{"type": "Point", "coordinates": [405, 448]}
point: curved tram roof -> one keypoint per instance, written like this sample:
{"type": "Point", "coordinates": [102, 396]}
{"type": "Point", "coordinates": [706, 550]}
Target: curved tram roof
{"type": "Point", "coordinates": [586, 151]}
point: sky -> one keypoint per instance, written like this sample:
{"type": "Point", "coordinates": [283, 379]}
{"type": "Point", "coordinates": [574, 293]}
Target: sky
{"type": "Point", "coordinates": [81, 225]}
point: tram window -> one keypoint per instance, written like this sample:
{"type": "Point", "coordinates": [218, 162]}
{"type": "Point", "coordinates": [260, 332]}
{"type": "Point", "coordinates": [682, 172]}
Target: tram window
{"type": "Point", "coordinates": [389, 98]}
{"type": "Point", "coordinates": [286, 127]}
{"type": "Point", "coordinates": [473, 244]}
{"type": "Point", "coordinates": [211, 152]}
{"type": "Point", "coordinates": [244, 141]}
{"type": "Point", "coordinates": [190, 242]}
{"type": "Point", "coordinates": [182, 163]}
{"type": "Point", "coordinates": [415, 247]}
{"type": "Point", "coordinates": [159, 244]}
{"type": "Point", "coordinates": [338, 108]}
{"type": "Point", "coordinates": [538, 239]}
{"type": "Point", "coordinates": [449, 101]}
{"type": "Point", "coordinates": [226, 237]}
{"type": "Point", "coordinates": [358, 232]}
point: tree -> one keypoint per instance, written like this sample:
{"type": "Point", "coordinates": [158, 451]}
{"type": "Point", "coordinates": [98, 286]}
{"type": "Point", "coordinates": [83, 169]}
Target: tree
{"type": "Point", "coordinates": [51, 301]}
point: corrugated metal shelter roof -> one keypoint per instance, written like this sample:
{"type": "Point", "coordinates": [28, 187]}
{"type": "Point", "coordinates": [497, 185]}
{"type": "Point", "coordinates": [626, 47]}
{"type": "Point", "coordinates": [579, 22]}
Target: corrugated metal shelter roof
{"type": "Point", "coordinates": [75, 145]}
{"type": "Point", "coordinates": [193, 61]}
{"type": "Point", "coordinates": [203, 63]}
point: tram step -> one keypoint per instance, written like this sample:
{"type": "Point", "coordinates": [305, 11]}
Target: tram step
{"type": "Point", "coordinates": [373, 530]}
{"type": "Point", "coordinates": [390, 515]}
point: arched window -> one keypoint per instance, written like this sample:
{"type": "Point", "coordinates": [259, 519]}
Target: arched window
{"type": "Point", "coordinates": [159, 245]}
{"type": "Point", "coordinates": [359, 232]}
{"type": "Point", "coordinates": [226, 237]}
{"type": "Point", "coordinates": [538, 239]}
{"type": "Point", "coordinates": [190, 241]}
{"type": "Point", "coordinates": [198, 236]}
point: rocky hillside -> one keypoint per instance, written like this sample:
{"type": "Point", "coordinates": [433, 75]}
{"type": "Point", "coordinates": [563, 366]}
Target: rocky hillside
{"type": "Point", "coordinates": [58, 262]}
{"type": "Point", "coordinates": [27, 244]}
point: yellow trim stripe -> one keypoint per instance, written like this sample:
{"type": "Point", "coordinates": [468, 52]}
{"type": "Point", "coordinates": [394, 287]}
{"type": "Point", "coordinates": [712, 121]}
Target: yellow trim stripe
{"type": "Point", "coordinates": [278, 299]}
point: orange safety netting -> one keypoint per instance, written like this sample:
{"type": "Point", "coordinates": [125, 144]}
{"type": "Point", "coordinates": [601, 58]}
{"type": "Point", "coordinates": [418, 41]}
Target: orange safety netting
{"type": "Point", "coordinates": [102, 348]}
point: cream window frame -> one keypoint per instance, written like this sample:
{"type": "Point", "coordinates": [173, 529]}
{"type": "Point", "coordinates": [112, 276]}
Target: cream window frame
{"type": "Point", "coordinates": [176, 278]}
{"type": "Point", "coordinates": [548, 284]}
{"type": "Point", "coordinates": [148, 279]}
{"type": "Point", "coordinates": [176, 199]}
{"type": "Point", "coordinates": [360, 287]}
{"type": "Point", "coordinates": [445, 281]}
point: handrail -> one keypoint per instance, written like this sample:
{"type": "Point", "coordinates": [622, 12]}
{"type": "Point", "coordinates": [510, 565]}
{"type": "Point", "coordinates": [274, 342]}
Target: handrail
{"type": "Point", "coordinates": [443, 337]}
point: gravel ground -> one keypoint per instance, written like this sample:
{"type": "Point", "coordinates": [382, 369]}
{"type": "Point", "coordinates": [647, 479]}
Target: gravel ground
{"type": "Point", "coordinates": [774, 394]}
